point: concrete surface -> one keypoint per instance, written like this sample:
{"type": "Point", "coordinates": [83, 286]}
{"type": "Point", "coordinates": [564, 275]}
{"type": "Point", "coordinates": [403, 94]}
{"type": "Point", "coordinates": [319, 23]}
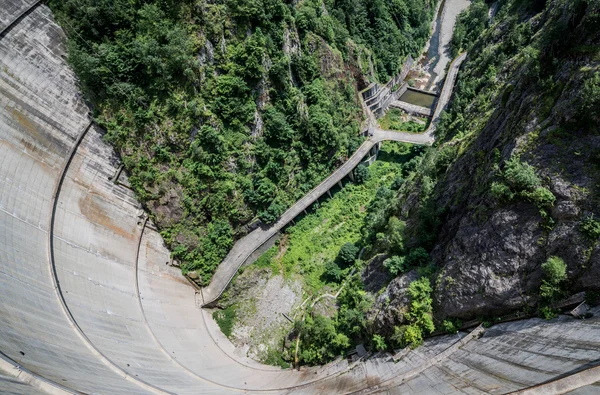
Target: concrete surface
{"type": "Point", "coordinates": [411, 109]}
{"type": "Point", "coordinates": [89, 305]}
{"type": "Point", "coordinates": [446, 28]}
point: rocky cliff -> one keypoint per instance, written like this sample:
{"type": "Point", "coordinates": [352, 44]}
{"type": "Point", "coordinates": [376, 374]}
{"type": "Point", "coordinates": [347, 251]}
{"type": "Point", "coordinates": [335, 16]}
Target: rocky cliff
{"type": "Point", "coordinates": [514, 176]}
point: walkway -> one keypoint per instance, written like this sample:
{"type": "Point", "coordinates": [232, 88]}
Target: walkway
{"type": "Point", "coordinates": [250, 243]}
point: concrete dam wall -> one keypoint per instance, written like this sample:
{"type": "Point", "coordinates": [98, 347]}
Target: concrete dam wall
{"type": "Point", "coordinates": [88, 304]}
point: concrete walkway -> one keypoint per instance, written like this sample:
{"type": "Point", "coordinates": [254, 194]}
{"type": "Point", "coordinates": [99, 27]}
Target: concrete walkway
{"type": "Point", "coordinates": [246, 246]}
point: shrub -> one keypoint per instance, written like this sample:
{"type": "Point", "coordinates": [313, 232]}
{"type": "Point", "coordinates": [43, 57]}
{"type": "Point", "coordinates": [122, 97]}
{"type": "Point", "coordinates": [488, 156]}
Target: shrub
{"type": "Point", "coordinates": [591, 228]}
{"type": "Point", "coordinates": [418, 257]}
{"type": "Point", "coordinates": [554, 273]}
{"type": "Point", "coordinates": [547, 313]}
{"type": "Point", "coordinates": [541, 197]}
{"type": "Point", "coordinates": [348, 254]}
{"type": "Point", "coordinates": [451, 326]}
{"type": "Point", "coordinates": [521, 180]}
{"type": "Point", "coordinates": [501, 191]}
{"type": "Point", "coordinates": [361, 174]}
{"type": "Point", "coordinates": [379, 342]}
{"type": "Point", "coordinates": [589, 98]}
{"type": "Point", "coordinates": [555, 270]}
{"type": "Point", "coordinates": [396, 264]}
{"type": "Point", "coordinates": [520, 175]}
{"type": "Point", "coordinates": [407, 336]}
{"type": "Point", "coordinates": [420, 312]}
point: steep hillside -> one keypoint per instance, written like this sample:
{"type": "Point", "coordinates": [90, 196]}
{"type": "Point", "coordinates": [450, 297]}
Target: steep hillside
{"type": "Point", "coordinates": [227, 111]}
{"type": "Point", "coordinates": [507, 202]}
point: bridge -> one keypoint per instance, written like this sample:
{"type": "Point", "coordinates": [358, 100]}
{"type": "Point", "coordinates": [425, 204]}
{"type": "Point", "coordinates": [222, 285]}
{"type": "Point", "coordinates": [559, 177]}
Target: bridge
{"type": "Point", "coordinates": [88, 305]}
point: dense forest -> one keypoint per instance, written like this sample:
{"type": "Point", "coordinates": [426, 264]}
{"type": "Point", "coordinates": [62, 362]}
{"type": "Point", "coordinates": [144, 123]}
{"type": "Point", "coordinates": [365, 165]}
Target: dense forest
{"type": "Point", "coordinates": [226, 112]}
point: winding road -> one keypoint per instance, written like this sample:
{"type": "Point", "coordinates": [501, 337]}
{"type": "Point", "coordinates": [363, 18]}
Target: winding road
{"type": "Point", "coordinates": [244, 248]}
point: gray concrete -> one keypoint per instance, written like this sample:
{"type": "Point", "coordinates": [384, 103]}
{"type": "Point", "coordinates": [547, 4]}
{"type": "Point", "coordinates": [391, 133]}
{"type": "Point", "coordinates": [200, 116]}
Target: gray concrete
{"type": "Point", "coordinates": [88, 303]}
{"type": "Point", "coordinates": [411, 108]}
{"type": "Point", "coordinates": [376, 98]}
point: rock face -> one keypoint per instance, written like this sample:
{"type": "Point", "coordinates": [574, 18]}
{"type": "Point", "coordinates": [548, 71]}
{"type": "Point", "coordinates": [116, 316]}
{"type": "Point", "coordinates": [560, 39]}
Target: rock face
{"type": "Point", "coordinates": [491, 252]}
{"type": "Point", "coordinates": [488, 251]}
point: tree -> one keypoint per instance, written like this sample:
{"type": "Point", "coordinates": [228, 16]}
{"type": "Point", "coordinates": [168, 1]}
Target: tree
{"type": "Point", "coordinates": [319, 340]}
{"type": "Point", "coordinates": [361, 174]}
{"type": "Point", "coordinates": [407, 336]}
{"type": "Point", "coordinates": [395, 234]}
{"type": "Point", "coordinates": [333, 272]}
{"type": "Point", "coordinates": [418, 257]}
{"type": "Point", "coordinates": [396, 264]}
{"type": "Point", "coordinates": [348, 254]}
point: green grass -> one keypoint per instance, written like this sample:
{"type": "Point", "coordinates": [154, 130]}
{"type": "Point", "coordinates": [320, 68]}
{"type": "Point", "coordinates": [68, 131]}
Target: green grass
{"type": "Point", "coordinates": [274, 358]}
{"type": "Point", "coordinates": [393, 121]}
{"type": "Point", "coordinates": [225, 319]}
{"type": "Point", "coordinates": [317, 238]}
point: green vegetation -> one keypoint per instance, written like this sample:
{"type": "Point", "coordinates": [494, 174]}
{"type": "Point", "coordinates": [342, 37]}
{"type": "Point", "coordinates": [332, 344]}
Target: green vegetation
{"type": "Point", "coordinates": [322, 247]}
{"type": "Point", "coordinates": [274, 358]}
{"type": "Point", "coordinates": [451, 326]}
{"type": "Point", "coordinates": [321, 250]}
{"type": "Point", "coordinates": [469, 26]}
{"type": "Point", "coordinates": [417, 257]}
{"type": "Point", "coordinates": [419, 315]}
{"type": "Point", "coordinates": [520, 180]}
{"type": "Point", "coordinates": [591, 228]}
{"type": "Point", "coordinates": [320, 341]}
{"type": "Point", "coordinates": [589, 101]}
{"type": "Point", "coordinates": [379, 342]}
{"type": "Point", "coordinates": [392, 120]}
{"type": "Point", "coordinates": [554, 272]}
{"type": "Point", "coordinates": [225, 319]}
{"type": "Point", "coordinates": [183, 87]}
{"type": "Point", "coordinates": [348, 254]}
{"type": "Point", "coordinates": [361, 174]}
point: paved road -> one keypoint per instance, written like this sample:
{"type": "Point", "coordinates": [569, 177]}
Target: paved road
{"type": "Point", "coordinates": [247, 245]}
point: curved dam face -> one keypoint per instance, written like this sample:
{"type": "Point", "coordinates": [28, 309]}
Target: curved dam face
{"type": "Point", "coordinates": [88, 304]}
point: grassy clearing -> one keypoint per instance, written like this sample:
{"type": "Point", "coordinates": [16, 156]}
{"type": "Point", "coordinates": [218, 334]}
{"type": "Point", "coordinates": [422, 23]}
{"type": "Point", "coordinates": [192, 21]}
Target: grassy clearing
{"type": "Point", "coordinates": [396, 119]}
{"type": "Point", "coordinates": [317, 238]}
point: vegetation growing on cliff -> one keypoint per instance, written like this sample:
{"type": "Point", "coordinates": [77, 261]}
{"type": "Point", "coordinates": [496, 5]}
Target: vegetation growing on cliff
{"type": "Point", "coordinates": [514, 168]}
{"type": "Point", "coordinates": [321, 252]}
{"type": "Point", "coordinates": [226, 111]}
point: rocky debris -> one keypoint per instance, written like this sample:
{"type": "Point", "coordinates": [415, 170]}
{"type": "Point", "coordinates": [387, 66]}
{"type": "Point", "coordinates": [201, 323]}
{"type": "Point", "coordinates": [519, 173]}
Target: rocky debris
{"type": "Point", "coordinates": [261, 301]}
{"type": "Point", "coordinates": [168, 209]}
